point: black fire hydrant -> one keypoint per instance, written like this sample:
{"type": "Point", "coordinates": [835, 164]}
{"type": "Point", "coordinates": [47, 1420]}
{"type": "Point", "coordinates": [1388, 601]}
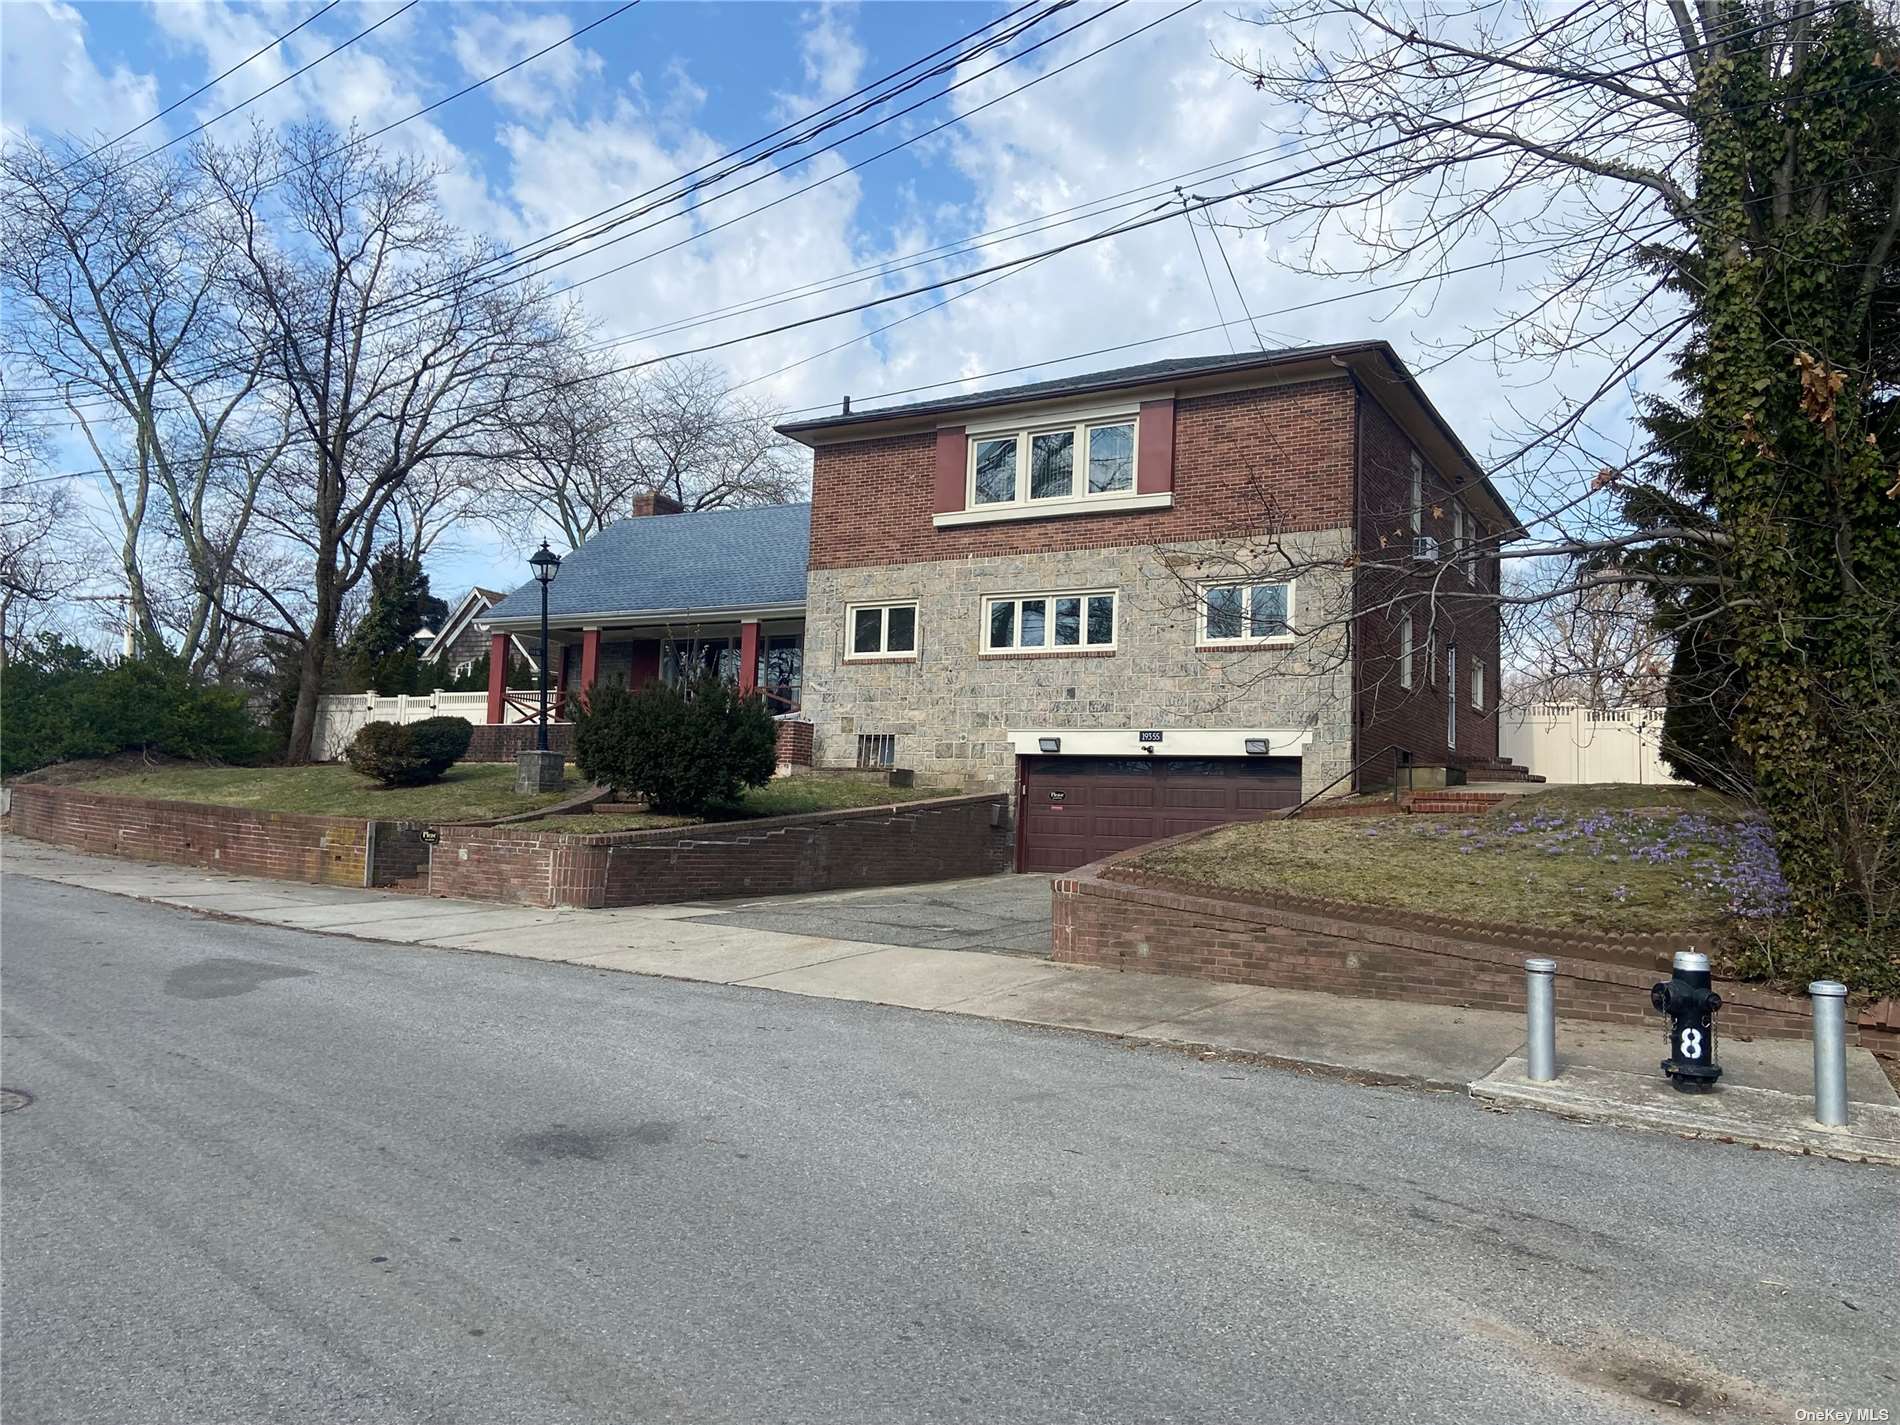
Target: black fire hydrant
{"type": "Point", "coordinates": [1689, 1003]}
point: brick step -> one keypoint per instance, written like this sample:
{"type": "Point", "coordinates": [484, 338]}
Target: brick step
{"type": "Point", "coordinates": [1448, 803]}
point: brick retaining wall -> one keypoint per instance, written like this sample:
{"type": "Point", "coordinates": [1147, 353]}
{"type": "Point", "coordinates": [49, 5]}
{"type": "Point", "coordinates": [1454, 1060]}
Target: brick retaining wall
{"type": "Point", "coordinates": [500, 742]}
{"type": "Point", "coordinates": [324, 849]}
{"type": "Point", "coordinates": [1109, 915]}
{"type": "Point", "coordinates": [938, 839]}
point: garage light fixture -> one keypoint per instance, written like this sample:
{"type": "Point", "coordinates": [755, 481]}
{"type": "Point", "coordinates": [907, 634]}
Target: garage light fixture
{"type": "Point", "coordinates": [1048, 744]}
{"type": "Point", "coordinates": [1256, 747]}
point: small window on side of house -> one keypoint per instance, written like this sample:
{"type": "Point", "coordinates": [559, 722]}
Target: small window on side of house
{"type": "Point", "coordinates": [1418, 494]}
{"type": "Point", "coordinates": [880, 631]}
{"type": "Point", "coordinates": [1405, 651]}
{"type": "Point", "coordinates": [1477, 684]}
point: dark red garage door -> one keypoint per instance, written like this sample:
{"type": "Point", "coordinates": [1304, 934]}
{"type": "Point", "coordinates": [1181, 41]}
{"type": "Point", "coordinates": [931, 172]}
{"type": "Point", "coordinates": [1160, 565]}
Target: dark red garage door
{"type": "Point", "coordinates": [1079, 809]}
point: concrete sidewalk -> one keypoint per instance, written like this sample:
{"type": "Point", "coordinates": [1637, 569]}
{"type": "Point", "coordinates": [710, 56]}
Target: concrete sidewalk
{"type": "Point", "coordinates": [1609, 1074]}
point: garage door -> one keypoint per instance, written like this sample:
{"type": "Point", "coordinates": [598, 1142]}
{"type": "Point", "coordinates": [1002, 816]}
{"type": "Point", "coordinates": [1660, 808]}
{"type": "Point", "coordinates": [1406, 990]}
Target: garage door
{"type": "Point", "coordinates": [1079, 809]}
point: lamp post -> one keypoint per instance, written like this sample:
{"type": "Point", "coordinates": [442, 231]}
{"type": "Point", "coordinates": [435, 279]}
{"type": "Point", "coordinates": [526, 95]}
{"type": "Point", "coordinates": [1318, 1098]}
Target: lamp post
{"type": "Point", "coordinates": [546, 564]}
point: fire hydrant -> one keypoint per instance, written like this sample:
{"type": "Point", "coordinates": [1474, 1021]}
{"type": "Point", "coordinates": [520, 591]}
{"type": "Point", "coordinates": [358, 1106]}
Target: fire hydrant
{"type": "Point", "coordinates": [1689, 1003]}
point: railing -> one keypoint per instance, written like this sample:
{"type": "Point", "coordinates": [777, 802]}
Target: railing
{"type": "Point", "coordinates": [1351, 771]}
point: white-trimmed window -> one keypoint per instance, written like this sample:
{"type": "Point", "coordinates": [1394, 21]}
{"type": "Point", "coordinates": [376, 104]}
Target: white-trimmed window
{"type": "Point", "coordinates": [1418, 494]}
{"type": "Point", "coordinates": [1050, 623]}
{"type": "Point", "coordinates": [1075, 460]}
{"type": "Point", "coordinates": [1405, 651]}
{"type": "Point", "coordinates": [1246, 613]}
{"type": "Point", "coordinates": [1477, 685]}
{"type": "Point", "coordinates": [880, 631]}
{"type": "Point", "coordinates": [1431, 659]}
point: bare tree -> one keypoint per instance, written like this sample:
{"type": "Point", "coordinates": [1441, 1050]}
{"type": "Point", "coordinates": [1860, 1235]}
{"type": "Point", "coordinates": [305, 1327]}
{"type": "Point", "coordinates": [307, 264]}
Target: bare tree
{"type": "Point", "coordinates": [564, 458]}
{"type": "Point", "coordinates": [117, 291]}
{"type": "Point", "coordinates": [386, 348]}
{"type": "Point", "coordinates": [1596, 645]}
{"type": "Point", "coordinates": [694, 438]}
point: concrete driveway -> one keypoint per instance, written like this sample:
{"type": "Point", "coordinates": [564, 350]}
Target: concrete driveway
{"type": "Point", "coordinates": [1001, 914]}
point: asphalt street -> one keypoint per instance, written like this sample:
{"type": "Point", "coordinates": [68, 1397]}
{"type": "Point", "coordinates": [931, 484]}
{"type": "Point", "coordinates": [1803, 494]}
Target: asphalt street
{"type": "Point", "coordinates": [268, 1175]}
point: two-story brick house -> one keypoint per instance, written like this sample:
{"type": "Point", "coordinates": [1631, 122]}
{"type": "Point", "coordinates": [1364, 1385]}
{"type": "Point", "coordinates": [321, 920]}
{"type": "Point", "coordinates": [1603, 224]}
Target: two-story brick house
{"type": "Point", "coordinates": [1157, 597]}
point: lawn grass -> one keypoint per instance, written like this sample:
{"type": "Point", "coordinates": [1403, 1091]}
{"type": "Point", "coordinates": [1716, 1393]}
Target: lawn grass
{"type": "Point", "coordinates": [1617, 859]}
{"type": "Point", "coordinates": [783, 796]}
{"type": "Point", "coordinates": [470, 791]}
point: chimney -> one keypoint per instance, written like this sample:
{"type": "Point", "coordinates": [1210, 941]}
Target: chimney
{"type": "Point", "coordinates": [652, 502]}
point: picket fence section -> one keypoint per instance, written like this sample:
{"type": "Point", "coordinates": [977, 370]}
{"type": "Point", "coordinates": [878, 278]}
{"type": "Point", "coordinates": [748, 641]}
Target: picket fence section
{"type": "Point", "coordinates": [340, 715]}
{"type": "Point", "coordinates": [1567, 743]}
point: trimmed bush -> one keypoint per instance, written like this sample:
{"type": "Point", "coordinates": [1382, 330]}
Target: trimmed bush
{"type": "Point", "coordinates": [443, 739]}
{"type": "Point", "coordinates": [679, 751]}
{"type": "Point", "coordinates": [409, 755]}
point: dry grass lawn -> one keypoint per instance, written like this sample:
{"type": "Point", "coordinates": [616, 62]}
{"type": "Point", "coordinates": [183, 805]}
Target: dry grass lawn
{"type": "Point", "coordinates": [786, 796]}
{"type": "Point", "coordinates": [470, 791]}
{"type": "Point", "coordinates": [1628, 859]}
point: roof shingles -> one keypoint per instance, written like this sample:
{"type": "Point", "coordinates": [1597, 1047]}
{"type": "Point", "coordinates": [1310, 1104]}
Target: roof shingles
{"type": "Point", "coordinates": [658, 564]}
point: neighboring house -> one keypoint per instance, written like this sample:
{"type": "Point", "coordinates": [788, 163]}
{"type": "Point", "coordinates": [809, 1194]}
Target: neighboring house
{"type": "Point", "coordinates": [1142, 600]}
{"type": "Point", "coordinates": [461, 641]}
{"type": "Point", "coordinates": [1131, 596]}
{"type": "Point", "coordinates": [665, 595]}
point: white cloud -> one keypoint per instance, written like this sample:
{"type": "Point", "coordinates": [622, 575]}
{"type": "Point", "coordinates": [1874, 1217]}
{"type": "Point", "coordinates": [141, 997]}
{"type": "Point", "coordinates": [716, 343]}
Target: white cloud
{"type": "Point", "coordinates": [50, 84]}
{"type": "Point", "coordinates": [832, 58]}
{"type": "Point", "coordinates": [493, 41]}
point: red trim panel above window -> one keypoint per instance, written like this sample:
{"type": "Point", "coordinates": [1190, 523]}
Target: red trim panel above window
{"type": "Point", "coordinates": [952, 457]}
{"type": "Point", "coordinates": [1154, 469]}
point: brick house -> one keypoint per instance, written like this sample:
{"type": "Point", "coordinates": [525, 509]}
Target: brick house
{"type": "Point", "coordinates": [1142, 600]}
{"type": "Point", "coordinates": [1154, 598]}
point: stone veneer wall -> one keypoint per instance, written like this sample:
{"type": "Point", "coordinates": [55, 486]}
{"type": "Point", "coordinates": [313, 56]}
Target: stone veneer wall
{"type": "Point", "coordinates": [1112, 915]}
{"type": "Point", "coordinates": [938, 839]}
{"type": "Point", "coordinates": [951, 709]}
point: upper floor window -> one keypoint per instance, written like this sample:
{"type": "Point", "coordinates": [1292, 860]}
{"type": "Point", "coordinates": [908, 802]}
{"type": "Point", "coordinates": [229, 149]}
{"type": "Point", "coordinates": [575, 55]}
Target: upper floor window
{"type": "Point", "coordinates": [1247, 613]}
{"type": "Point", "coordinates": [1418, 494]}
{"type": "Point", "coordinates": [1068, 462]}
{"type": "Point", "coordinates": [1477, 685]}
{"type": "Point", "coordinates": [881, 631]}
{"type": "Point", "coordinates": [1031, 623]}
{"type": "Point", "coordinates": [1405, 651]}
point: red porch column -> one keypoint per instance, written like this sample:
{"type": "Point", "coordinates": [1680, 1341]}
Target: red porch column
{"type": "Point", "coordinates": [749, 656]}
{"type": "Point", "coordinates": [590, 661]}
{"type": "Point", "coordinates": [497, 674]}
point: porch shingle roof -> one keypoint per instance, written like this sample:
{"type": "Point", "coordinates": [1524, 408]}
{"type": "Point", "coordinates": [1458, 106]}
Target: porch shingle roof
{"type": "Point", "coordinates": [658, 564]}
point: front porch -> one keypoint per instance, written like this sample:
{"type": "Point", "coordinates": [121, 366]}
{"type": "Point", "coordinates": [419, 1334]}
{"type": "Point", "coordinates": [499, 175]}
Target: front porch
{"type": "Point", "coordinates": [763, 655]}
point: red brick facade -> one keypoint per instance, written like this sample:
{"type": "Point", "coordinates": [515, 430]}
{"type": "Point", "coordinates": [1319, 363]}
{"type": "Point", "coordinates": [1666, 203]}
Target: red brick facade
{"type": "Point", "coordinates": [1237, 456]}
{"type": "Point", "coordinates": [1108, 916]}
{"type": "Point", "coordinates": [1444, 606]}
{"type": "Point", "coordinates": [794, 743]}
{"type": "Point", "coordinates": [871, 846]}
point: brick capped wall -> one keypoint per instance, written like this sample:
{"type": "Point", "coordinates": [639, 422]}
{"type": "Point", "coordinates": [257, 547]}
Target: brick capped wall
{"type": "Point", "coordinates": [940, 839]}
{"type": "Point", "coordinates": [500, 742]}
{"type": "Point", "coordinates": [794, 743]}
{"type": "Point", "coordinates": [323, 849]}
{"type": "Point", "coordinates": [1237, 456]}
{"type": "Point", "coordinates": [1110, 916]}
{"type": "Point", "coordinates": [1439, 600]}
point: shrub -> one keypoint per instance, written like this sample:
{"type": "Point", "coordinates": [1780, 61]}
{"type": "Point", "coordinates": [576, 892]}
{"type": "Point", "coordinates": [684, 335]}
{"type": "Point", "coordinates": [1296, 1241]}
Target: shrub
{"type": "Point", "coordinates": [59, 703]}
{"type": "Point", "coordinates": [443, 739]}
{"type": "Point", "coordinates": [408, 755]}
{"type": "Point", "coordinates": [679, 751]}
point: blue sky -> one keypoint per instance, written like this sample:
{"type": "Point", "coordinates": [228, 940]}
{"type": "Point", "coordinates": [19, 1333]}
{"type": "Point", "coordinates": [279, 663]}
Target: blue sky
{"type": "Point", "coordinates": [667, 86]}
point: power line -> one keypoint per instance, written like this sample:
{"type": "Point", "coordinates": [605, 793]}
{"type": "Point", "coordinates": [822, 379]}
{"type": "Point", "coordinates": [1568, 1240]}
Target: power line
{"type": "Point", "coordinates": [1214, 230]}
{"type": "Point", "coordinates": [1220, 317]}
{"type": "Point", "coordinates": [246, 103]}
{"type": "Point", "coordinates": [208, 84]}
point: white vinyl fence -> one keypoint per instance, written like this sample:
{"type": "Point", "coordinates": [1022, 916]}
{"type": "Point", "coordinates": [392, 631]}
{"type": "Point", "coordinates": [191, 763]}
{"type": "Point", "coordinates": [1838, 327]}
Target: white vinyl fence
{"type": "Point", "coordinates": [1569, 743]}
{"type": "Point", "coordinates": [339, 715]}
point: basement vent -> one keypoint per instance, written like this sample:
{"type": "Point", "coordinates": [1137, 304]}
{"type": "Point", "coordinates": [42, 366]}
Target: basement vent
{"type": "Point", "coordinates": [877, 749]}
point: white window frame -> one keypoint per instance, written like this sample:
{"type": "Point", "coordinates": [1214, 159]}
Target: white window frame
{"type": "Point", "coordinates": [1203, 639]}
{"type": "Point", "coordinates": [1477, 685]}
{"type": "Point", "coordinates": [1077, 422]}
{"type": "Point", "coordinates": [1405, 651]}
{"type": "Point", "coordinates": [1431, 658]}
{"type": "Point", "coordinates": [884, 607]}
{"type": "Point", "coordinates": [1050, 648]}
{"type": "Point", "coordinates": [1451, 695]}
{"type": "Point", "coordinates": [1418, 493]}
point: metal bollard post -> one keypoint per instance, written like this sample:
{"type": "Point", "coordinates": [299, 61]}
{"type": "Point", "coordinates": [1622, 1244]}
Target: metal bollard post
{"type": "Point", "coordinates": [1540, 1015]}
{"type": "Point", "coordinates": [1830, 1052]}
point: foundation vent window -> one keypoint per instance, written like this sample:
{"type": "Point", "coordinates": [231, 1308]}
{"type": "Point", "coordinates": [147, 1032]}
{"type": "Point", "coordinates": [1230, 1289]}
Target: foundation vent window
{"type": "Point", "coordinates": [877, 749]}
